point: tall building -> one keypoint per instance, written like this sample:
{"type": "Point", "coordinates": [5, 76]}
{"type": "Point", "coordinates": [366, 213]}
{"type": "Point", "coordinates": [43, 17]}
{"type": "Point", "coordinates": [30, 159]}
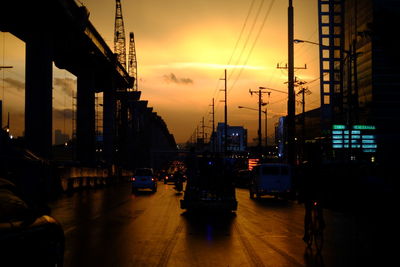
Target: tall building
{"type": "Point", "coordinates": [359, 64]}
{"type": "Point", "coordinates": [371, 73]}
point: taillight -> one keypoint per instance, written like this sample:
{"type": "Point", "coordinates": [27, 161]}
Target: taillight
{"type": "Point", "coordinates": [152, 179]}
{"type": "Point", "coordinates": [133, 179]}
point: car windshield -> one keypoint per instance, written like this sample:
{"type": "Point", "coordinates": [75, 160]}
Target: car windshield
{"type": "Point", "coordinates": [284, 170]}
{"type": "Point", "coordinates": [144, 172]}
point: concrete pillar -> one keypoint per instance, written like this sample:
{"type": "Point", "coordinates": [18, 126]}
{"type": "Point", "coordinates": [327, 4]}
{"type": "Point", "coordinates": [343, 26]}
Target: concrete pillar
{"type": "Point", "coordinates": [123, 131]}
{"type": "Point", "coordinates": [85, 118]}
{"type": "Point", "coordinates": [109, 124]}
{"type": "Point", "coordinates": [1, 114]}
{"type": "Point", "coordinates": [38, 94]}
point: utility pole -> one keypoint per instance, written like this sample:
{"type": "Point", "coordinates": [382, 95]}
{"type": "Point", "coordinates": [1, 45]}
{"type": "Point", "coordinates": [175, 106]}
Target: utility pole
{"type": "Point", "coordinates": [213, 115]}
{"type": "Point", "coordinates": [202, 129]}
{"type": "Point", "coordinates": [225, 115]}
{"type": "Point", "coordinates": [291, 157]}
{"type": "Point", "coordinates": [266, 121]}
{"type": "Point", "coordinates": [290, 124]}
{"type": "Point", "coordinates": [303, 91]}
{"type": "Point", "coordinates": [260, 104]}
{"type": "Point", "coordinates": [197, 135]}
{"type": "Point", "coordinates": [212, 138]}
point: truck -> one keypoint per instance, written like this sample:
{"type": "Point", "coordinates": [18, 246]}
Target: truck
{"type": "Point", "coordinates": [271, 179]}
{"type": "Point", "coordinates": [210, 185]}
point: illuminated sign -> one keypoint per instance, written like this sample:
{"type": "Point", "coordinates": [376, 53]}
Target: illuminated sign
{"type": "Point", "coordinates": [355, 137]}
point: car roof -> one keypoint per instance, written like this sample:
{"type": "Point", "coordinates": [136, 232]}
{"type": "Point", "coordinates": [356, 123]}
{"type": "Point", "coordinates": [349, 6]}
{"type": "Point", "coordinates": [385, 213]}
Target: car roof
{"type": "Point", "coordinates": [144, 169]}
{"type": "Point", "coordinates": [275, 164]}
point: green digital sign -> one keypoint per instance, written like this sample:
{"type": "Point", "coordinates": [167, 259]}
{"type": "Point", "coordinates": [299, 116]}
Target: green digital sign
{"type": "Point", "coordinates": [355, 137]}
{"type": "Point", "coordinates": [364, 127]}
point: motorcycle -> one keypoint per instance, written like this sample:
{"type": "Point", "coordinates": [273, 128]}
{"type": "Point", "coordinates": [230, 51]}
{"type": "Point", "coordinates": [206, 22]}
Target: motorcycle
{"type": "Point", "coordinates": [178, 186]}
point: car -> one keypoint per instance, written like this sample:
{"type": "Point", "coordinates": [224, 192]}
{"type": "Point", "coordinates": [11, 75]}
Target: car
{"type": "Point", "coordinates": [144, 179]}
{"type": "Point", "coordinates": [172, 177]}
{"type": "Point", "coordinates": [169, 178]}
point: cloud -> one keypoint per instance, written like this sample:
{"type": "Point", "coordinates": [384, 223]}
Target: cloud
{"type": "Point", "coordinates": [67, 85]}
{"type": "Point", "coordinates": [15, 83]}
{"type": "Point", "coordinates": [202, 65]}
{"type": "Point", "coordinates": [60, 113]}
{"type": "Point", "coordinates": [171, 78]}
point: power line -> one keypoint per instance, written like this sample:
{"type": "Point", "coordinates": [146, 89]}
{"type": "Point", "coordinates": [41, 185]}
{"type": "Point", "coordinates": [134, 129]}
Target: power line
{"type": "Point", "coordinates": [242, 30]}
{"type": "Point", "coordinates": [245, 45]}
{"type": "Point", "coordinates": [254, 44]}
{"type": "Point", "coordinates": [248, 37]}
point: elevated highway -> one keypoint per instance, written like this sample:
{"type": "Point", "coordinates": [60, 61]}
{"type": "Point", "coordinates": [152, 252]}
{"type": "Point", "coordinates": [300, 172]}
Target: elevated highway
{"type": "Point", "coordinates": [60, 31]}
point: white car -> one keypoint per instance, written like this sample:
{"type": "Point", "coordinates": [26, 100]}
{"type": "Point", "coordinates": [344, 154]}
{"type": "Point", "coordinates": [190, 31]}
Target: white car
{"type": "Point", "coordinates": [144, 179]}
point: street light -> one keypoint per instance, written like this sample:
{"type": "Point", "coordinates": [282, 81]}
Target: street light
{"type": "Point", "coordinates": [266, 120]}
{"type": "Point", "coordinates": [297, 41]}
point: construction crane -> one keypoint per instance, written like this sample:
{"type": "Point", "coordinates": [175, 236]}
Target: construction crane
{"type": "Point", "coordinates": [132, 62]}
{"type": "Point", "coordinates": [119, 35]}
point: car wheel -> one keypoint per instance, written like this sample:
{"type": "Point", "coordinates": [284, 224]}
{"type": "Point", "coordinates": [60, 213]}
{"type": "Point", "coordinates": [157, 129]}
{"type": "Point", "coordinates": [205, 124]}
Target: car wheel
{"type": "Point", "coordinates": [134, 190]}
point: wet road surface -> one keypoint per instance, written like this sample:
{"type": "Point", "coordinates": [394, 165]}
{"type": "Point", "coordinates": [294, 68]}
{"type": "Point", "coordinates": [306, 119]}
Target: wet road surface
{"type": "Point", "coordinates": [112, 227]}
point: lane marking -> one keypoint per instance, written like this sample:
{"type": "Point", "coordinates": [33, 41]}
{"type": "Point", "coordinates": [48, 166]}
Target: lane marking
{"type": "Point", "coordinates": [251, 254]}
{"type": "Point", "coordinates": [275, 248]}
{"type": "Point", "coordinates": [170, 246]}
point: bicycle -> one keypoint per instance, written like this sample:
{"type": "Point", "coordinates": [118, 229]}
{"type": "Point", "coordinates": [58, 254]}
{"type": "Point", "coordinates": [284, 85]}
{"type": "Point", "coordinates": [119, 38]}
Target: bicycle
{"type": "Point", "coordinates": [315, 227]}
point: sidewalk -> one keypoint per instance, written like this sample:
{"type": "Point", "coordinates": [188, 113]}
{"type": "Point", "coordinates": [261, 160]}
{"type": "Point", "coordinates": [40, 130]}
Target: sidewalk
{"type": "Point", "coordinates": [364, 234]}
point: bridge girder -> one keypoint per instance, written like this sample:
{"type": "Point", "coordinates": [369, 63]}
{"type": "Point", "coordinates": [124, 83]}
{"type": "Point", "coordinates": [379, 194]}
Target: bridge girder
{"type": "Point", "coordinates": [76, 44]}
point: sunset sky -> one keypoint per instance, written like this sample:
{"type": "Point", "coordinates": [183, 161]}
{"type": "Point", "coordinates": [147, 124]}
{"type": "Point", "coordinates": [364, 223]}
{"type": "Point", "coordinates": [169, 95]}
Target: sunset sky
{"type": "Point", "coordinates": [183, 47]}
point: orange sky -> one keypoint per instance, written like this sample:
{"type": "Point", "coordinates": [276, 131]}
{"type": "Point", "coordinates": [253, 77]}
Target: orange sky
{"type": "Point", "coordinates": [183, 47]}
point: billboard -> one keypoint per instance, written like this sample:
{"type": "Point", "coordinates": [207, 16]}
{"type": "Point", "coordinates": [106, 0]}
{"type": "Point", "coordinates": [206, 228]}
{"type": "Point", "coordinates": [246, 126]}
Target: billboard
{"type": "Point", "coordinates": [360, 137]}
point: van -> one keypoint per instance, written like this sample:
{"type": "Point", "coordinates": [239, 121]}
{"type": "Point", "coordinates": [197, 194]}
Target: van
{"type": "Point", "coordinates": [271, 179]}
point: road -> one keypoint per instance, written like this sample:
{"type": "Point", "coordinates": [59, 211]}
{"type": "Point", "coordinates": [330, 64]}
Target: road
{"type": "Point", "coordinates": [112, 227]}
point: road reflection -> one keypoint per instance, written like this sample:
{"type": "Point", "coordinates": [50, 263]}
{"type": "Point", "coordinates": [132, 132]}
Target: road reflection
{"type": "Point", "coordinates": [209, 225]}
